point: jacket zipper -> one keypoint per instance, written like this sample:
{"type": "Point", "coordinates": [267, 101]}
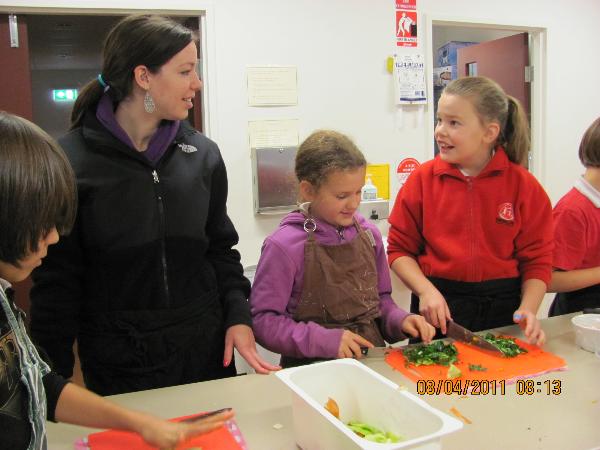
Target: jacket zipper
{"type": "Point", "coordinates": [471, 225]}
{"type": "Point", "coordinates": [340, 232]}
{"type": "Point", "coordinates": [161, 214]}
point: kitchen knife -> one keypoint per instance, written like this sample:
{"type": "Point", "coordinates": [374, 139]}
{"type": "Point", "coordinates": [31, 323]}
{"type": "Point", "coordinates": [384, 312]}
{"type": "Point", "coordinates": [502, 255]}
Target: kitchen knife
{"type": "Point", "coordinates": [202, 416]}
{"type": "Point", "coordinates": [459, 333]}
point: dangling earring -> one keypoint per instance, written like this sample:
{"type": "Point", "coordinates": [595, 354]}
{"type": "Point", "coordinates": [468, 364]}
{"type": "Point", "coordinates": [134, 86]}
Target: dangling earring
{"type": "Point", "coordinates": [149, 105]}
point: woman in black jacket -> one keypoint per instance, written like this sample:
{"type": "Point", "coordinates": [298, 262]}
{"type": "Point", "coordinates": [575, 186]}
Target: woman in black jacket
{"type": "Point", "coordinates": [148, 282]}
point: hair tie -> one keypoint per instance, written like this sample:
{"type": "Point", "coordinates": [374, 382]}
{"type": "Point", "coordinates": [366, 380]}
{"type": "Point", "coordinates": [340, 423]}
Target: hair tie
{"type": "Point", "coordinates": [102, 82]}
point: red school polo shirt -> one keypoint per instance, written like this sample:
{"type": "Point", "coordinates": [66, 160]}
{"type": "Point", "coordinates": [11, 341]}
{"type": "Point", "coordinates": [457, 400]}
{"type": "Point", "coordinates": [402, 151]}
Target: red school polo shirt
{"type": "Point", "coordinates": [577, 228]}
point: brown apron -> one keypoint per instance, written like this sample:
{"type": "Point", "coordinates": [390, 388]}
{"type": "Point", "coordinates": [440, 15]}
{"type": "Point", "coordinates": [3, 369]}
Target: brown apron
{"type": "Point", "coordinates": [340, 287]}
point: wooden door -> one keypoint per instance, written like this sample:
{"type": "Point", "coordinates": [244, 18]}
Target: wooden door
{"type": "Point", "coordinates": [15, 83]}
{"type": "Point", "coordinates": [503, 60]}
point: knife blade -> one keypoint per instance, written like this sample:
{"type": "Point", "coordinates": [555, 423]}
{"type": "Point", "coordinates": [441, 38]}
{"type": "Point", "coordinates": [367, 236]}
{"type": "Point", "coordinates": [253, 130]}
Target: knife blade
{"type": "Point", "coordinates": [202, 416]}
{"type": "Point", "coordinates": [460, 333]}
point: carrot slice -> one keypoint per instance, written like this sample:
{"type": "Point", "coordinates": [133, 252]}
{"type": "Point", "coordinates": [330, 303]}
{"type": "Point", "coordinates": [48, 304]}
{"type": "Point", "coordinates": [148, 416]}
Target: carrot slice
{"type": "Point", "coordinates": [457, 413]}
{"type": "Point", "coordinates": [332, 407]}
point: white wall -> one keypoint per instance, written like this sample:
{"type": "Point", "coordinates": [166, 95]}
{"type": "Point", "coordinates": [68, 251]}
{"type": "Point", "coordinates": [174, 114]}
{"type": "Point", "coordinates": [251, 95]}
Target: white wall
{"type": "Point", "coordinates": [340, 48]}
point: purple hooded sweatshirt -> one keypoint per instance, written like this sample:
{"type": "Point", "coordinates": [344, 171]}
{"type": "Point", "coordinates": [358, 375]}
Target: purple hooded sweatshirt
{"type": "Point", "coordinates": [278, 285]}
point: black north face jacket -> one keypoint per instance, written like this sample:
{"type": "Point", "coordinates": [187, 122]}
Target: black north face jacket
{"type": "Point", "coordinates": [147, 281]}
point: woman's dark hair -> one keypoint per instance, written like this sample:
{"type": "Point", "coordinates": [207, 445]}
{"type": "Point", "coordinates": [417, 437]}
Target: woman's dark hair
{"type": "Point", "coordinates": [323, 152]}
{"type": "Point", "coordinates": [589, 148]}
{"type": "Point", "coordinates": [37, 188]}
{"type": "Point", "coordinates": [493, 104]}
{"type": "Point", "coordinates": [147, 40]}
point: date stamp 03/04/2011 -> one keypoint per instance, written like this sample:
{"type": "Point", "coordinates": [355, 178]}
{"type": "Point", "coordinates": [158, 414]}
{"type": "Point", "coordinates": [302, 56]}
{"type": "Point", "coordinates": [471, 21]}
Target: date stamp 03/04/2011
{"type": "Point", "coordinates": [530, 387]}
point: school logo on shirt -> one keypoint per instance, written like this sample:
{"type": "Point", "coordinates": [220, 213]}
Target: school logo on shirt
{"type": "Point", "coordinates": [506, 214]}
{"type": "Point", "coordinates": [187, 148]}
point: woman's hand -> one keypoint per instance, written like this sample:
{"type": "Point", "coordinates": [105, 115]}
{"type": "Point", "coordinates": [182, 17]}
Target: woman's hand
{"type": "Point", "coordinates": [416, 326]}
{"type": "Point", "coordinates": [530, 325]}
{"type": "Point", "coordinates": [350, 345]}
{"type": "Point", "coordinates": [433, 306]}
{"type": "Point", "coordinates": [242, 338]}
{"type": "Point", "coordinates": [168, 435]}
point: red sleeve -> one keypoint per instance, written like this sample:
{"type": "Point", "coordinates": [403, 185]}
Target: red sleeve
{"type": "Point", "coordinates": [405, 237]}
{"type": "Point", "coordinates": [535, 242]}
{"type": "Point", "coordinates": [569, 244]}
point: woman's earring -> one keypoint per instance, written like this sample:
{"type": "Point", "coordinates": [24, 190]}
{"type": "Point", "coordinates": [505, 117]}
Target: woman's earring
{"type": "Point", "coordinates": [149, 105]}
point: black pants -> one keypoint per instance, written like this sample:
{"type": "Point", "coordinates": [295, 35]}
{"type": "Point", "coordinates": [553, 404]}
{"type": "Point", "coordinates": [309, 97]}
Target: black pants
{"type": "Point", "coordinates": [569, 302]}
{"type": "Point", "coordinates": [477, 305]}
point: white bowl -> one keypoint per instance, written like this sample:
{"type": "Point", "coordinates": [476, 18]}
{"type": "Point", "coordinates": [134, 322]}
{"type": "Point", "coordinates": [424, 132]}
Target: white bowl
{"type": "Point", "coordinates": [587, 331]}
{"type": "Point", "coordinates": [363, 395]}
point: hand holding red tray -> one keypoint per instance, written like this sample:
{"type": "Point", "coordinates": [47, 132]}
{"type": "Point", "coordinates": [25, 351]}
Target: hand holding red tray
{"type": "Point", "coordinates": [227, 437]}
{"type": "Point", "coordinates": [526, 365]}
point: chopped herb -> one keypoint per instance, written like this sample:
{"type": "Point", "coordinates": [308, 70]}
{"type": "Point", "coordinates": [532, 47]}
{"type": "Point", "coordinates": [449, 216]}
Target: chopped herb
{"type": "Point", "coordinates": [453, 372]}
{"type": "Point", "coordinates": [374, 434]}
{"type": "Point", "coordinates": [437, 352]}
{"type": "Point", "coordinates": [506, 345]}
{"type": "Point", "coordinates": [477, 368]}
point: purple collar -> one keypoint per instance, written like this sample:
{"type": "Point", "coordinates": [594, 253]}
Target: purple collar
{"type": "Point", "coordinates": [159, 142]}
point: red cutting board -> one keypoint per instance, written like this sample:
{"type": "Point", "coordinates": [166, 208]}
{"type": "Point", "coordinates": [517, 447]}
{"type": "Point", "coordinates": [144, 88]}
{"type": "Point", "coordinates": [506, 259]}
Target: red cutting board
{"type": "Point", "coordinates": [526, 365]}
{"type": "Point", "coordinates": [228, 437]}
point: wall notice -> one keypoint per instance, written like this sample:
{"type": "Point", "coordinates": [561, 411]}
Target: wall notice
{"type": "Point", "coordinates": [406, 23]}
{"type": "Point", "coordinates": [409, 79]}
{"type": "Point", "coordinates": [272, 86]}
{"type": "Point", "coordinates": [405, 168]}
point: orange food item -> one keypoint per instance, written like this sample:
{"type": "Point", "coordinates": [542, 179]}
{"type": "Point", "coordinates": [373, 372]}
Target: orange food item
{"type": "Point", "coordinates": [333, 407]}
{"type": "Point", "coordinates": [457, 413]}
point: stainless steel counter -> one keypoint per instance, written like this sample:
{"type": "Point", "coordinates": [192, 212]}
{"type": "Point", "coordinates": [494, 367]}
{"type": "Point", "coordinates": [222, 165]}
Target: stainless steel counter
{"type": "Point", "coordinates": [567, 421]}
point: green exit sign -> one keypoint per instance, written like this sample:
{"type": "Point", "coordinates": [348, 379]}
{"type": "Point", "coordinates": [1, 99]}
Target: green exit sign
{"type": "Point", "coordinates": [64, 95]}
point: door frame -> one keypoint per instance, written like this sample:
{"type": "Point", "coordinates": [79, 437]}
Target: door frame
{"type": "Point", "coordinates": [205, 11]}
{"type": "Point", "coordinates": [537, 52]}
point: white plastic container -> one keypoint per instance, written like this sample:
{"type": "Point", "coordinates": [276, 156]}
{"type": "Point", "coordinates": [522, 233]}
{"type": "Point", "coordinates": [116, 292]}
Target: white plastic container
{"type": "Point", "coordinates": [362, 395]}
{"type": "Point", "coordinates": [587, 332]}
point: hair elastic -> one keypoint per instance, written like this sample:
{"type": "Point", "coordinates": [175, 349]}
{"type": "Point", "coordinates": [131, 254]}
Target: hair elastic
{"type": "Point", "coordinates": [101, 81]}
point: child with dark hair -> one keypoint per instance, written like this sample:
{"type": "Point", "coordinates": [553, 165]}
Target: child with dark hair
{"type": "Point", "coordinates": [322, 286]}
{"type": "Point", "coordinates": [576, 275]}
{"type": "Point", "coordinates": [38, 201]}
{"type": "Point", "coordinates": [471, 230]}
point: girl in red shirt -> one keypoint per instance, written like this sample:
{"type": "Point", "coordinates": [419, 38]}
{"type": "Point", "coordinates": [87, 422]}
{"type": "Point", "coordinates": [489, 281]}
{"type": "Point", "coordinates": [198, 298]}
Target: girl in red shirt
{"type": "Point", "coordinates": [576, 275]}
{"type": "Point", "coordinates": [471, 230]}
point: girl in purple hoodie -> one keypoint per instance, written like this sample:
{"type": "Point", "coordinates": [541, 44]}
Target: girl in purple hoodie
{"type": "Point", "coordinates": [322, 287]}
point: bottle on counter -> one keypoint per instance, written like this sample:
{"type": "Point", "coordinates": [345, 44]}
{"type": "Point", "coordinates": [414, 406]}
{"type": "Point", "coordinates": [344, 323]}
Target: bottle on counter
{"type": "Point", "coordinates": [369, 190]}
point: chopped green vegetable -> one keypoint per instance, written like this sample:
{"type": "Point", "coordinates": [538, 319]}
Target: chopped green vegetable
{"type": "Point", "coordinates": [374, 434]}
{"type": "Point", "coordinates": [437, 352]}
{"type": "Point", "coordinates": [506, 345]}
{"type": "Point", "coordinates": [453, 372]}
{"type": "Point", "coordinates": [477, 368]}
